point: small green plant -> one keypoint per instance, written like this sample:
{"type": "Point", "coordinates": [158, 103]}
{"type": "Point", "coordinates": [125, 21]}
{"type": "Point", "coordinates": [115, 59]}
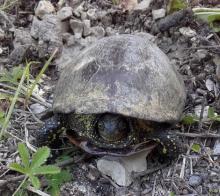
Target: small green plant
{"type": "Point", "coordinates": [33, 166]}
{"type": "Point", "coordinates": [55, 181]}
{"type": "Point", "coordinates": [176, 5]}
{"type": "Point", "coordinates": [14, 100]}
{"type": "Point", "coordinates": [196, 148]}
{"type": "Point", "coordinates": [209, 15]}
{"type": "Point", "coordinates": [190, 119]}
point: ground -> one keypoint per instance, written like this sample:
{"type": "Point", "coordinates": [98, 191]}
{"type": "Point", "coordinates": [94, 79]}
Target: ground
{"type": "Point", "coordinates": [192, 46]}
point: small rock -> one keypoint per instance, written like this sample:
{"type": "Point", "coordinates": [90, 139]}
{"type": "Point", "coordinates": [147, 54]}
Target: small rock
{"type": "Point", "coordinates": [44, 7]}
{"type": "Point", "coordinates": [201, 54]}
{"type": "Point", "coordinates": [48, 32]}
{"type": "Point", "coordinates": [37, 108]}
{"type": "Point", "coordinates": [120, 169]}
{"type": "Point", "coordinates": [83, 15]}
{"type": "Point", "coordinates": [143, 5]}
{"type": "Point", "coordinates": [98, 31]}
{"type": "Point", "coordinates": [18, 54]}
{"type": "Point", "coordinates": [65, 13]}
{"type": "Point", "coordinates": [157, 14]}
{"type": "Point", "coordinates": [1, 50]}
{"type": "Point", "coordinates": [92, 15]}
{"type": "Point", "coordinates": [86, 28]}
{"type": "Point", "coordinates": [22, 37]}
{"type": "Point", "coordinates": [216, 150]}
{"type": "Point", "coordinates": [2, 34]}
{"type": "Point", "coordinates": [187, 32]}
{"type": "Point", "coordinates": [110, 31]}
{"type": "Point", "coordinates": [77, 27]}
{"type": "Point", "coordinates": [195, 180]}
{"type": "Point", "coordinates": [209, 85]}
{"type": "Point", "coordinates": [78, 10]}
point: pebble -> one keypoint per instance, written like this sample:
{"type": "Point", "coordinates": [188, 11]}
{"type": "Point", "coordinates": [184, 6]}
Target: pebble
{"type": "Point", "coordinates": [216, 150]}
{"type": "Point", "coordinates": [195, 180]}
{"type": "Point", "coordinates": [98, 31]}
{"type": "Point", "coordinates": [65, 13]}
{"type": "Point", "coordinates": [86, 27]}
{"type": "Point", "coordinates": [92, 15]}
{"type": "Point", "coordinates": [44, 7]}
{"type": "Point", "coordinates": [143, 5]}
{"type": "Point", "coordinates": [1, 50]}
{"type": "Point", "coordinates": [201, 54]}
{"type": "Point", "coordinates": [120, 169]}
{"type": "Point", "coordinates": [157, 14]}
{"type": "Point", "coordinates": [209, 84]}
{"type": "Point", "coordinates": [187, 32]}
{"type": "Point", "coordinates": [2, 34]}
{"type": "Point", "coordinates": [37, 108]}
{"type": "Point", "coordinates": [77, 27]}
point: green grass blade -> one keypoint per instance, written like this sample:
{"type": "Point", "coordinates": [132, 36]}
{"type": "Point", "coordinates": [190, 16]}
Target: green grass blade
{"type": "Point", "coordinates": [40, 157]}
{"type": "Point", "coordinates": [24, 154]}
{"type": "Point", "coordinates": [41, 73]}
{"type": "Point", "coordinates": [5, 125]}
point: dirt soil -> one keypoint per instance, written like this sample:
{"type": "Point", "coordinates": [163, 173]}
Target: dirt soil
{"type": "Point", "coordinates": [192, 47]}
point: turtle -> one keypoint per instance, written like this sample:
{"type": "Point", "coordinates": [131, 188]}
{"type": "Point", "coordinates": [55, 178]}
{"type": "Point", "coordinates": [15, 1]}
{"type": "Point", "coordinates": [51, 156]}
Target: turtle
{"type": "Point", "coordinates": [119, 96]}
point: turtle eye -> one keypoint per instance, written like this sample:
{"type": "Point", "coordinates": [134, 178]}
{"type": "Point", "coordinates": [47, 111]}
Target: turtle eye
{"type": "Point", "coordinates": [112, 127]}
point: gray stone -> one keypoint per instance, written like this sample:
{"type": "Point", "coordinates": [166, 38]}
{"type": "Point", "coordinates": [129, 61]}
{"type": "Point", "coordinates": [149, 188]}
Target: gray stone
{"type": "Point", "coordinates": [120, 169]}
{"type": "Point", "coordinates": [201, 54]}
{"type": "Point", "coordinates": [6, 21]}
{"type": "Point", "coordinates": [77, 27]}
{"type": "Point", "coordinates": [210, 85]}
{"type": "Point", "coordinates": [2, 34]}
{"type": "Point", "coordinates": [48, 32]}
{"type": "Point", "coordinates": [18, 54]}
{"type": "Point", "coordinates": [187, 32]}
{"type": "Point", "coordinates": [78, 10]}
{"type": "Point", "coordinates": [1, 50]}
{"type": "Point", "coordinates": [195, 180]}
{"type": "Point", "coordinates": [143, 5]}
{"type": "Point", "coordinates": [216, 150]}
{"type": "Point", "coordinates": [157, 14]}
{"type": "Point", "coordinates": [44, 7]}
{"type": "Point", "coordinates": [65, 13]}
{"type": "Point", "coordinates": [92, 15]}
{"type": "Point", "coordinates": [86, 27]}
{"type": "Point", "coordinates": [37, 108]}
{"type": "Point", "coordinates": [110, 31]}
{"type": "Point", "coordinates": [98, 31]}
{"type": "Point", "coordinates": [22, 37]}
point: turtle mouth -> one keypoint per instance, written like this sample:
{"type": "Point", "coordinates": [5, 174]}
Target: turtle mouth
{"type": "Point", "coordinates": [130, 150]}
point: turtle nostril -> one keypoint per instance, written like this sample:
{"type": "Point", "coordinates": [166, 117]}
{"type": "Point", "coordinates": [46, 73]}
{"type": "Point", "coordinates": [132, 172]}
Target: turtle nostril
{"type": "Point", "coordinates": [112, 127]}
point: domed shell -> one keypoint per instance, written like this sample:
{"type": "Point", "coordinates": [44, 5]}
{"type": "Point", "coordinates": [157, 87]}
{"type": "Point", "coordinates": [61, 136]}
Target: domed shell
{"type": "Point", "coordinates": [123, 74]}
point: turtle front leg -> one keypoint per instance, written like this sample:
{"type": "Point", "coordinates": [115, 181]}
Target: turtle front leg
{"type": "Point", "coordinates": [49, 133]}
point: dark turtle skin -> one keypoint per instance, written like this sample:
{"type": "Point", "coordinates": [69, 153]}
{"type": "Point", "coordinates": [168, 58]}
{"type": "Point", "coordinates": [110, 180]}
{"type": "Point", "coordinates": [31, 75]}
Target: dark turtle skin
{"type": "Point", "coordinates": [111, 134]}
{"type": "Point", "coordinates": [120, 96]}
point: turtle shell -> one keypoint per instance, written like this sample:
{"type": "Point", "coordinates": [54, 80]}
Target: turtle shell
{"type": "Point", "coordinates": [122, 74]}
